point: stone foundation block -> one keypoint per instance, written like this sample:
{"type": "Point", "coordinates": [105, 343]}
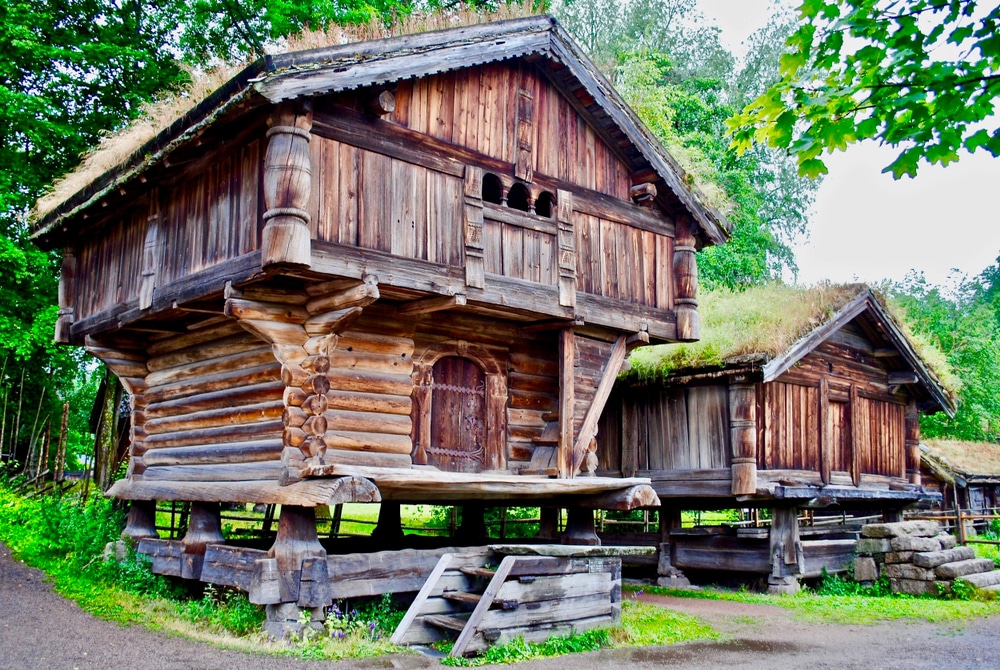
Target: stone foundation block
{"type": "Point", "coordinates": [674, 581]}
{"type": "Point", "coordinates": [865, 569]}
{"type": "Point", "coordinates": [913, 587]}
{"type": "Point", "coordinates": [873, 545]}
{"type": "Point", "coordinates": [899, 557]}
{"type": "Point", "coordinates": [973, 566]}
{"type": "Point", "coordinates": [286, 620]}
{"type": "Point", "coordinates": [783, 585]}
{"type": "Point", "coordinates": [901, 528]}
{"type": "Point", "coordinates": [983, 580]}
{"type": "Point", "coordinates": [913, 543]}
{"type": "Point", "coordinates": [932, 559]}
{"type": "Point", "coordinates": [947, 541]}
{"type": "Point", "coordinates": [909, 571]}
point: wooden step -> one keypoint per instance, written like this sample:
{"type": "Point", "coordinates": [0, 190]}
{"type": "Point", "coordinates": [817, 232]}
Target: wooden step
{"type": "Point", "coordinates": [454, 623]}
{"type": "Point", "coordinates": [462, 597]}
{"type": "Point", "coordinates": [485, 573]}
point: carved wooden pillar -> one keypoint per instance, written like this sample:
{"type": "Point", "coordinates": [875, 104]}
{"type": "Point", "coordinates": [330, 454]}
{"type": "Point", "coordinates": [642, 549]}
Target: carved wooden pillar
{"type": "Point", "coordinates": [204, 528]}
{"type": "Point", "coordinates": [67, 296]}
{"type": "Point", "coordinates": [296, 541]}
{"type": "Point", "coordinates": [567, 249]}
{"type": "Point", "coordinates": [743, 434]}
{"type": "Point", "coordinates": [473, 527]}
{"type": "Point", "coordinates": [141, 521]}
{"type": "Point", "coordinates": [548, 523]}
{"type": "Point", "coordinates": [287, 183]}
{"type": "Point", "coordinates": [475, 265]}
{"type": "Point", "coordinates": [580, 527]}
{"type": "Point", "coordinates": [389, 529]}
{"type": "Point", "coordinates": [913, 443]}
{"type": "Point", "coordinates": [686, 281]}
{"type": "Point", "coordinates": [785, 550]}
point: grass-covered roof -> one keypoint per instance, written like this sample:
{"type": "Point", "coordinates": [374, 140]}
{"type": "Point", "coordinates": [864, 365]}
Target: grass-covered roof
{"type": "Point", "coordinates": [754, 326]}
{"type": "Point", "coordinates": [967, 458]}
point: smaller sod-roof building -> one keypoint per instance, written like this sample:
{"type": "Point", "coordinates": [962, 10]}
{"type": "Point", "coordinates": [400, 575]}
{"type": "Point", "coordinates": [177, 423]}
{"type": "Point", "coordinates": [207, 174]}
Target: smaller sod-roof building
{"type": "Point", "coordinates": [794, 398]}
{"type": "Point", "coordinates": [967, 474]}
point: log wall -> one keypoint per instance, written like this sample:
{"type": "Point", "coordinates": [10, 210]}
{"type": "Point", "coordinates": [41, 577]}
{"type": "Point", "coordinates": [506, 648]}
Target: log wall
{"type": "Point", "coordinates": [212, 409]}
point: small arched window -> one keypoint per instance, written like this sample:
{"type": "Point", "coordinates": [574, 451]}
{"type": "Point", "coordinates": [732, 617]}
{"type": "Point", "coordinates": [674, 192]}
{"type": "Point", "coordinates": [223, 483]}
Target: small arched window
{"type": "Point", "coordinates": [517, 198]}
{"type": "Point", "coordinates": [492, 189]}
{"type": "Point", "coordinates": [544, 204]}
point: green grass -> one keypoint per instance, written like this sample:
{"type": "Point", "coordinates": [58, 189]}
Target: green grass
{"type": "Point", "coordinates": [851, 609]}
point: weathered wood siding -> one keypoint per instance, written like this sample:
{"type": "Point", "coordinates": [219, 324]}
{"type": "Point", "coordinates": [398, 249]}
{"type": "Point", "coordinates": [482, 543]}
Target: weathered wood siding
{"type": "Point", "coordinates": [790, 408]}
{"type": "Point", "coordinates": [367, 199]}
{"type": "Point", "coordinates": [477, 108]}
{"type": "Point", "coordinates": [617, 260]}
{"type": "Point", "coordinates": [207, 215]}
{"type": "Point", "coordinates": [212, 409]}
{"type": "Point", "coordinates": [678, 428]}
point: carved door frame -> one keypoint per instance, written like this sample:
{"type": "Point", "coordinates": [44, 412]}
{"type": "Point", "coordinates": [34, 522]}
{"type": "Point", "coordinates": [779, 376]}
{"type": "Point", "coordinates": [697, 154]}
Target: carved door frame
{"type": "Point", "coordinates": [494, 444]}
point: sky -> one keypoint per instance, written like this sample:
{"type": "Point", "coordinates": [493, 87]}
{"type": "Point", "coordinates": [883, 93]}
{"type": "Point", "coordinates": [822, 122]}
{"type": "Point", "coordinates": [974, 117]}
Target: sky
{"type": "Point", "coordinates": [865, 225]}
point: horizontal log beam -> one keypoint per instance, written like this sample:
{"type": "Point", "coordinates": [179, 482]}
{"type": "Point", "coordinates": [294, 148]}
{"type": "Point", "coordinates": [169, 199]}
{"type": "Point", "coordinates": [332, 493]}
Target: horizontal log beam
{"type": "Point", "coordinates": [310, 493]}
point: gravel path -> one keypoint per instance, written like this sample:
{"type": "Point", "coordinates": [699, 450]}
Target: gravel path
{"type": "Point", "coordinates": [39, 629]}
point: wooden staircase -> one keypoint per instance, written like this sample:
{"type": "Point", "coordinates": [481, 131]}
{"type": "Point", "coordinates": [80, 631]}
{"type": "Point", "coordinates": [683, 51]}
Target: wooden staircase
{"type": "Point", "coordinates": [527, 596]}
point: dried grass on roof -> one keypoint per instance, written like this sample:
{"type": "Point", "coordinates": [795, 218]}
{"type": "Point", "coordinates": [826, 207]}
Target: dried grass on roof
{"type": "Point", "coordinates": [752, 325]}
{"type": "Point", "coordinates": [119, 144]}
{"type": "Point", "coordinates": [971, 458]}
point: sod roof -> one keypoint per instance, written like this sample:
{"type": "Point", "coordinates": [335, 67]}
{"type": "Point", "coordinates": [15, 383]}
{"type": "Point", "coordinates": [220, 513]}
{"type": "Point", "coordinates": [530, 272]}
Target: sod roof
{"type": "Point", "coordinates": [967, 458]}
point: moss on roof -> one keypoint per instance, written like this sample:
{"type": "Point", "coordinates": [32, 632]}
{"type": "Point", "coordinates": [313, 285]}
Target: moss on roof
{"type": "Point", "coordinates": [760, 323]}
{"type": "Point", "coordinates": [754, 325]}
{"type": "Point", "coordinates": [970, 458]}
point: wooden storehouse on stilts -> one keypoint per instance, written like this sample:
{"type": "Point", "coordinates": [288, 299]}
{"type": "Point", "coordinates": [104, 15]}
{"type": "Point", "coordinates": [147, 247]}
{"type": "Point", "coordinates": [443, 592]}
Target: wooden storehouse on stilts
{"type": "Point", "coordinates": [797, 399]}
{"type": "Point", "coordinates": [406, 270]}
{"type": "Point", "coordinates": [966, 474]}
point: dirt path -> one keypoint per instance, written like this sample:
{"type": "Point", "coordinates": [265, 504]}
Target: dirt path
{"type": "Point", "coordinates": [39, 629]}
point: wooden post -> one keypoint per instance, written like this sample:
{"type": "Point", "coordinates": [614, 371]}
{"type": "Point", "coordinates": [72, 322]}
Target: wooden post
{"type": "Point", "coordinates": [912, 443]}
{"type": "Point", "coordinates": [785, 550]}
{"type": "Point", "coordinates": [287, 183]}
{"type": "Point", "coordinates": [580, 527]}
{"type": "Point", "coordinates": [743, 434]}
{"type": "Point", "coordinates": [141, 521]}
{"type": "Point", "coordinates": [295, 542]}
{"type": "Point", "coordinates": [686, 281]}
{"type": "Point", "coordinates": [67, 296]}
{"type": "Point", "coordinates": [826, 447]}
{"type": "Point", "coordinates": [389, 529]}
{"type": "Point", "coordinates": [668, 575]}
{"type": "Point", "coordinates": [567, 361]}
{"type": "Point", "coordinates": [204, 527]}
{"type": "Point", "coordinates": [855, 410]}
{"type": "Point", "coordinates": [473, 528]}
{"type": "Point", "coordinates": [548, 523]}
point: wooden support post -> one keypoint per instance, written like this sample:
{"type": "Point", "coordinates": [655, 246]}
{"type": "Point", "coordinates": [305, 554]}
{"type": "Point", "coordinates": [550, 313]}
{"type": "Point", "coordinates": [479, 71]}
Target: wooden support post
{"type": "Point", "coordinates": [856, 446]}
{"type": "Point", "coordinates": [826, 446]}
{"type": "Point", "coordinates": [204, 527]}
{"type": "Point", "coordinates": [743, 434]}
{"type": "Point", "coordinates": [141, 521]}
{"type": "Point", "coordinates": [668, 575]}
{"type": "Point", "coordinates": [524, 125]}
{"type": "Point", "coordinates": [287, 182]}
{"type": "Point", "coordinates": [686, 281]}
{"type": "Point", "coordinates": [473, 529]}
{"type": "Point", "coordinates": [912, 443]}
{"type": "Point", "coordinates": [67, 296]}
{"type": "Point", "coordinates": [785, 551]}
{"type": "Point", "coordinates": [567, 360]}
{"type": "Point", "coordinates": [588, 429]}
{"type": "Point", "coordinates": [548, 523]}
{"type": "Point", "coordinates": [580, 527]}
{"type": "Point", "coordinates": [295, 542]}
{"type": "Point", "coordinates": [389, 529]}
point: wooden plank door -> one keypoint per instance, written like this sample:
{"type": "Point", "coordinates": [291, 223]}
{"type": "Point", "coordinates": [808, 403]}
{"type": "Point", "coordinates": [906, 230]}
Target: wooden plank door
{"type": "Point", "coordinates": [458, 416]}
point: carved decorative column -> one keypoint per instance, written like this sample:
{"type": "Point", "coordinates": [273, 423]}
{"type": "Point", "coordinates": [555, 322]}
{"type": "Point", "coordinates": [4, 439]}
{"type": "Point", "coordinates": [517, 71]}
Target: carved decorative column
{"type": "Point", "coordinates": [204, 528]}
{"type": "Point", "coordinates": [287, 183]}
{"type": "Point", "coordinates": [686, 282]}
